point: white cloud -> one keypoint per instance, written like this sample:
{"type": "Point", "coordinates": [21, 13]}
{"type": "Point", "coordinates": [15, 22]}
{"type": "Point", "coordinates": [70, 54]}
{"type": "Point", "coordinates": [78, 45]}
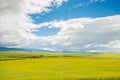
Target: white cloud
{"type": "Point", "coordinates": [38, 6]}
{"type": "Point", "coordinates": [89, 34]}
{"type": "Point", "coordinates": [112, 44]}
{"type": "Point", "coordinates": [86, 33]}
{"type": "Point", "coordinates": [88, 2]}
{"type": "Point", "coordinates": [16, 25]}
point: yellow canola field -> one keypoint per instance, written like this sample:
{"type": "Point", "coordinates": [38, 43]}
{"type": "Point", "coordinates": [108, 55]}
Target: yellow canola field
{"type": "Point", "coordinates": [61, 68]}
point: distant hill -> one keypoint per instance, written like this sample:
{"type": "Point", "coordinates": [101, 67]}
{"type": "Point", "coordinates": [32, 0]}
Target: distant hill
{"type": "Point", "coordinates": [10, 49]}
{"type": "Point", "coordinates": [21, 49]}
{"type": "Point", "coordinates": [33, 50]}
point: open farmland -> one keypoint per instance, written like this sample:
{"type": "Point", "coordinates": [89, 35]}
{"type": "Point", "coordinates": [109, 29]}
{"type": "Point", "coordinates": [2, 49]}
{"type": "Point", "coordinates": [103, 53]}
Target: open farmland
{"type": "Point", "coordinates": [59, 66]}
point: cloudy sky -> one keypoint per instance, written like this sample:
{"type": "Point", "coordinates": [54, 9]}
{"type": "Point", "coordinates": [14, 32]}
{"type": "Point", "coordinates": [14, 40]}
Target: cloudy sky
{"type": "Point", "coordinates": [61, 25]}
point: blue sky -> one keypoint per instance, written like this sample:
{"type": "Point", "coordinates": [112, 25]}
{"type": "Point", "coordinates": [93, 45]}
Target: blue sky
{"type": "Point", "coordinates": [61, 25]}
{"type": "Point", "coordinates": [75, 9]}
{"type": "Point", "coordinates": [72, 9]}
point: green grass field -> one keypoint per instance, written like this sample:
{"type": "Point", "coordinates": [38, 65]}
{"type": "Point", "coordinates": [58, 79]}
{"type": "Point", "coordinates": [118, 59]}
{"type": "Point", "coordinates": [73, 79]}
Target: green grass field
{"type": "Point", "coordinates": [59, 66]}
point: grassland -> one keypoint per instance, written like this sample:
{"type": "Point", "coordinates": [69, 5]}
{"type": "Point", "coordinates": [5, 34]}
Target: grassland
{"type": "Point", "coordinates": [59, 66]}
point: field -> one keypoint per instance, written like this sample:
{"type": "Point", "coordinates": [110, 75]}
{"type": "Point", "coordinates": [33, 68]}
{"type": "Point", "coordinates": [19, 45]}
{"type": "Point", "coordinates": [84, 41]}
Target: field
{"type": "Point", "coordinates": [59, 66]}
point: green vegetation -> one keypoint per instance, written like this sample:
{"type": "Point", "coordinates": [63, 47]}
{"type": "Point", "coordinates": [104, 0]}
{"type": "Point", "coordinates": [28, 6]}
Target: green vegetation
{"type": "Point", "coordinates": [14, 55]}
{"type": "Point", "coordinates": [59, 66]}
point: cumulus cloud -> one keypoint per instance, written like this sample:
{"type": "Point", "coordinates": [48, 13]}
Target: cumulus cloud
{"type": "Point", "coordinates": [80, 34]}
{"type": "Point", "coordinates": [16, 25]}
{"type": "Point", "coordinates": [87, 33]}
{"type": "Point", "coordinates": [38, 6]}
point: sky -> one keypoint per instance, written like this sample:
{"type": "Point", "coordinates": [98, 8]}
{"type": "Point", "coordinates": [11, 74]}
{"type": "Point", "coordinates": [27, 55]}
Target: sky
{"type": "Point", "coordinates": [61, 25]}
